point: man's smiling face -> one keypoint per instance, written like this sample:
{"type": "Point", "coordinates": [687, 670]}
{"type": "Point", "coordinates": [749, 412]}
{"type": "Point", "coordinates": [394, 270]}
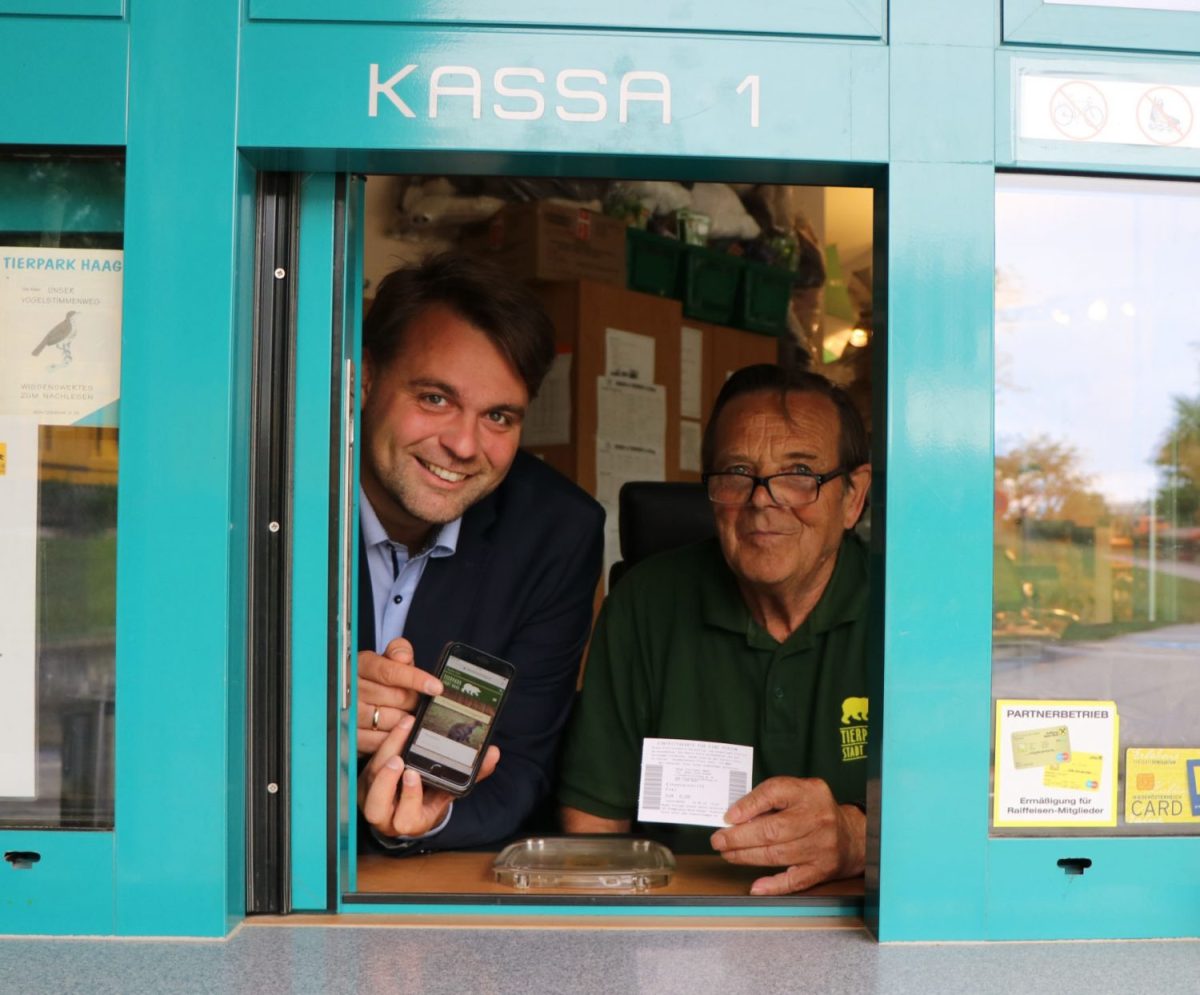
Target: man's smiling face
{"type": "Point", "coordinates": [441, 424]}
{"type": "Point", "coordinates": [768, 546]}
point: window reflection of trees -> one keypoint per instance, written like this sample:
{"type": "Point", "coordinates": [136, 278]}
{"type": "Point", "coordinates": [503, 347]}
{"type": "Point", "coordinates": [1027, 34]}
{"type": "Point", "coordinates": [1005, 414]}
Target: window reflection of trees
{"type": "Point", "coordinates": [1096, 520]}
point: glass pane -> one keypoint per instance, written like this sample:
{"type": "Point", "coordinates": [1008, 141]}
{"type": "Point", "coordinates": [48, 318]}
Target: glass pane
{"type": "Point", "coordinates": [60, 333]}
{"type": "Point", "coordinates": [1097, 506]}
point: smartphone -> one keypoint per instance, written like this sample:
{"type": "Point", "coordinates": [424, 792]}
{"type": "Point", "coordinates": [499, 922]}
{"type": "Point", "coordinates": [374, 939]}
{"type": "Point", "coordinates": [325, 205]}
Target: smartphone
{"type": "Point", "coordinates": [452, 730]}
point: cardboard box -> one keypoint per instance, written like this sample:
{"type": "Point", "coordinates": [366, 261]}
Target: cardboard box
{"type": "Point", "coordinates": [542, 240]}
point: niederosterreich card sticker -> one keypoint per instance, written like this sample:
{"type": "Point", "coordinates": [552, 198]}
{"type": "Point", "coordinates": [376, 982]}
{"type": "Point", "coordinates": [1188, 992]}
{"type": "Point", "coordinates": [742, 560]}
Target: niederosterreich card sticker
{"type": "Point", "coordinates": [1162, 785]}
{"type": "Point", "coordinates": [1055, 763]}
{"type": "Point", "coordinates": [60, 332]}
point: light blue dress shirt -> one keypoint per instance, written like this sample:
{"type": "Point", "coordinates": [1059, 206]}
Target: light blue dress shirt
{"type": "Point", "coordinates": [395, 573]}
{"type": "Point", "coordinates": [394, 578]}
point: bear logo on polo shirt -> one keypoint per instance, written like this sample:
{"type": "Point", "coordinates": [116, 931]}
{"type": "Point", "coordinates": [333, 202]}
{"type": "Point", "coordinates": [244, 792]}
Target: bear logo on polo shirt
{"type": "Point", "coordinates": [854, 729]}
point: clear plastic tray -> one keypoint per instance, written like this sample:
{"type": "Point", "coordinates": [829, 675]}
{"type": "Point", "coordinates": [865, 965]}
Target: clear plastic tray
{"type": "Point", "coordinates": [619, 863]}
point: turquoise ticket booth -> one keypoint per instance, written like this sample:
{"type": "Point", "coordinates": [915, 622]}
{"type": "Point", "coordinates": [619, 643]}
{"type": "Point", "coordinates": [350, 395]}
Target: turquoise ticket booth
{"type": "Point", "coordinates": [214, 151]}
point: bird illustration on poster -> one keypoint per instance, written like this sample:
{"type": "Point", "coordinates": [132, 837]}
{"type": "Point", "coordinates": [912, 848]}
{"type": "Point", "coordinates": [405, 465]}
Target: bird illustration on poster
{"type": "Point", "coordinates": [61, 336]}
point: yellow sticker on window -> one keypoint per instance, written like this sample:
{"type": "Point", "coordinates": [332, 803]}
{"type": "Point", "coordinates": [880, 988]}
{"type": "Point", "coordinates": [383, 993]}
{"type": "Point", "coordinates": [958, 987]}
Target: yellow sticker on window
{"type": "Point", "coordinates": [3, 458]}
{"type": "Point", "coordinates": [1162, 785]}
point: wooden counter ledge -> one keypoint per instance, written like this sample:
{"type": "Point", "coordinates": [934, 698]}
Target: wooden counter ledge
{"type": "Point", "coordinates": [471, 873]}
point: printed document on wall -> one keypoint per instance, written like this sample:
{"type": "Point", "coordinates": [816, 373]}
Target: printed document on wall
{"type": "Point", "coordinates": [631, 412]}
{"type": "Point", "coordinates": [629, 355]}
{"type": "Point", "coordinates": [616, 464]}
{"type": "Point", "coordinates": [691, 372]}
{"type": "Point", "coordinates": [60, 332]}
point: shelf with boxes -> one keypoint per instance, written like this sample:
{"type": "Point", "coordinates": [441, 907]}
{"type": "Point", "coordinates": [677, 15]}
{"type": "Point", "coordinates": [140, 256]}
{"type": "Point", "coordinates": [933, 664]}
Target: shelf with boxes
{"type": "Point", "coordinates": [712, 285]}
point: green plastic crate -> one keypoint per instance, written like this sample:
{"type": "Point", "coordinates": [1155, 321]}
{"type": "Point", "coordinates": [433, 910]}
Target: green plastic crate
{"type": "Point", "coordinates": [763, 301]}
{"type": "Point", "coordinates": [709, 284]}
{"type": "Point", "coordinates": [652, 262]}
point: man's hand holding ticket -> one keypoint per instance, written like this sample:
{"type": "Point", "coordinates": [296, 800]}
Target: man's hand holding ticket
{"type": "Point", "coordinates": [789, 822]}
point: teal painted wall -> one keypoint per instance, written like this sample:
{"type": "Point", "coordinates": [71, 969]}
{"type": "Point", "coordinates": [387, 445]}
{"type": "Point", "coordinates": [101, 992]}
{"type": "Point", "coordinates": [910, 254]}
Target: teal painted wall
{"type": "Point", "coordinates": [938, 499]}
{"type": "Point", "coordinates": [63, 79]}
{"type": "Point", "coordinates": [182, 518]}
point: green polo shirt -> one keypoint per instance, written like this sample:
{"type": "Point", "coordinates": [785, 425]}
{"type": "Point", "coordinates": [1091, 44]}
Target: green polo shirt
{"type": "Point", "coordinates": [676, 655]}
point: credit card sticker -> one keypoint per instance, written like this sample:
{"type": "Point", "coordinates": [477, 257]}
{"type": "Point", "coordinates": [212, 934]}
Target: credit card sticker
{"type": "Point", "coordinates": [1039, 747]}
{"type": "Point", "coordinates": [1081, 773]}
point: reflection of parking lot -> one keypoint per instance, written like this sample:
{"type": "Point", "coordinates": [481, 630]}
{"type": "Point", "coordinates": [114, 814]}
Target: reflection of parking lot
{"type": "Point", "coordinates": [1153, 676]}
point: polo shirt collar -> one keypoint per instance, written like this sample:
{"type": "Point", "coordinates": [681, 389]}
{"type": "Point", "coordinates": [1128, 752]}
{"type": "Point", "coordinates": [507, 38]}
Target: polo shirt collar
{"type": "Point", "coordinates": [844, 598]}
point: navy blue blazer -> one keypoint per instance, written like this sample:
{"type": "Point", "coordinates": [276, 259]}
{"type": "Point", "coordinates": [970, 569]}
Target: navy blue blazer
{"type": "Point", "coordinates": [521, 586]}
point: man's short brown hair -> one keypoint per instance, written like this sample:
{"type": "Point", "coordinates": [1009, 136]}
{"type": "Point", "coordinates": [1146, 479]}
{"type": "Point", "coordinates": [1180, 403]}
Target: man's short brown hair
{"type": "Point", "coordinates": [479, 292]}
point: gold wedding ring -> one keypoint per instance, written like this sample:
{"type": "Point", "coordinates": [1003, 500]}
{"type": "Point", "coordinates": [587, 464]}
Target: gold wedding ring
{"type": "Point", "coordinates": [375, 719]}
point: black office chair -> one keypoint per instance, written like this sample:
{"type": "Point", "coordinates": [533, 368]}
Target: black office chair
{"type": "Point", "coordinates": [655, 516]}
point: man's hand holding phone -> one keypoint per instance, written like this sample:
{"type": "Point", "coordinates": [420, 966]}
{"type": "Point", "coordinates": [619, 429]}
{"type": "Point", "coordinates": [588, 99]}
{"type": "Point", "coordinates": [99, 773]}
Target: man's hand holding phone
{"type": "Point", "coordinates": [389, 687]}
{"type": "Point", "coordinates": [393, 800]}
{"type": "Point", "coordinates": [430, 737]}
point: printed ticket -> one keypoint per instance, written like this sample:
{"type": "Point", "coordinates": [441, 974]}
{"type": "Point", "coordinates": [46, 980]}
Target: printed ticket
{"type": "Point", "coordinates": [1039, 747]}
{"type": "Point", "coordinates": [1080, 773]}
{"type": "Point", "coordinates": [692, 782]}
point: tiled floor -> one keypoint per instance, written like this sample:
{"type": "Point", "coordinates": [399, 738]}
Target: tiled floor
{"type": "Point", "coordinates": [269, 959]}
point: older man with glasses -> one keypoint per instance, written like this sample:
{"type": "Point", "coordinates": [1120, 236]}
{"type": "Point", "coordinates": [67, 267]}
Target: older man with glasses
{"type": "Point", "coordinates": [756, 637]}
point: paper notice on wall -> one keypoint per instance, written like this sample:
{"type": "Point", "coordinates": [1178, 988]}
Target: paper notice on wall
{"type": "Point", "coordinates": [60, 332]}
{"type": "Point", "coordinates": [617, 463]}
{"type": "Point", "coordinates": [1055, 763]}
{"type": "Point", "coordinates": [631, 413]}
{"type": "Point", "coordinates": [18, 607]}
{"type": "Point", "coordinates": [690, 439]}
{"type": "Point", "coordinates": [629, 355]}
{"type": "Point", "coordinates": [548, 420]}
{"type": "Point", "coordinates": [691, 372]}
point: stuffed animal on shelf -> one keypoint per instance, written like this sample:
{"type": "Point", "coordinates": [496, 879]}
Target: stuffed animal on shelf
{"type": "Point", "coordinates": [437, 204]}
{"type": "Point", "coordinates": [727, 214]}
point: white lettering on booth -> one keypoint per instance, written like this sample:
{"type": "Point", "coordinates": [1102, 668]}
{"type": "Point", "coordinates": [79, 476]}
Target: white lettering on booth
{"type": "Point", "coordinates": [386, 89]}
{"type": "Point", "coordinates": [500, 82]}
{"type": "Point", "coordinates": [581, 97]}
{"type": "Point", "coordinates": [662, 95]}
{"type": "Point", "coordinates": [601, 102]}
{"type": "Point", "coordinates": [474, 91]}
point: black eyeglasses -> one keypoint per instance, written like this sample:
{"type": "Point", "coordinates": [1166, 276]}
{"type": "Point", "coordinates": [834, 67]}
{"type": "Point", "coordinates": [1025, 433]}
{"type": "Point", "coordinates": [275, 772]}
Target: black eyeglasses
{"type": "Point", "coordinates": [793, 489]}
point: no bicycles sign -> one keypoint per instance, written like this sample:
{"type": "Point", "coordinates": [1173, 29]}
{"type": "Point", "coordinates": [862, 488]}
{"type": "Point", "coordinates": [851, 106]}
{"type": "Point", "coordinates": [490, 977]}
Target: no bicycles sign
{"type": "Point", "coordinates": [1107, 111]}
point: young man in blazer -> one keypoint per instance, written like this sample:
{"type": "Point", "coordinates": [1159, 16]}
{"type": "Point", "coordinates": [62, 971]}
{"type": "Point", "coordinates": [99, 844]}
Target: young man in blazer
{"type": "Point", "coordinates": [463, 537]}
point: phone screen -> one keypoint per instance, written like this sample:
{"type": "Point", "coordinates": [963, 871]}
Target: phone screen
{"type": "Point", "coordinates": [455, 724]}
